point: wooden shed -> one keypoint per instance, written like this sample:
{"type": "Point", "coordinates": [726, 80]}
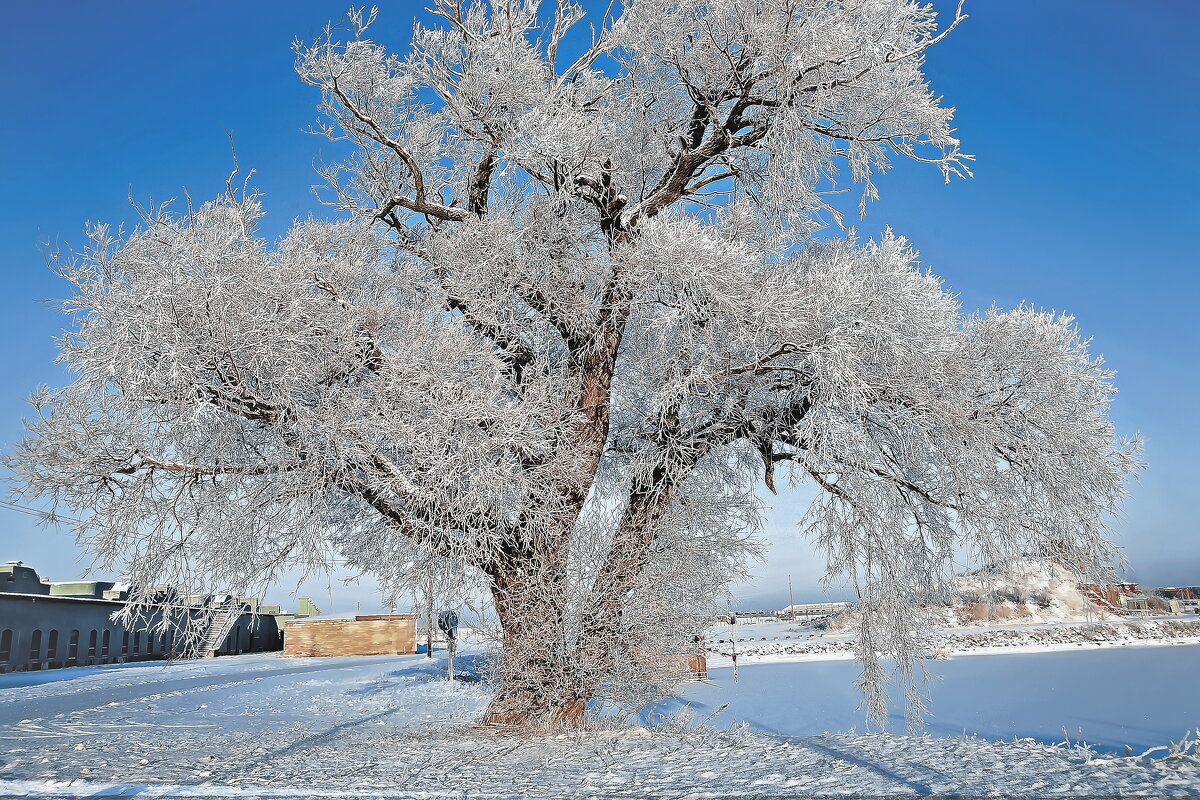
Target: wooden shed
{"type": "Point", "coordinates": [368, 635]}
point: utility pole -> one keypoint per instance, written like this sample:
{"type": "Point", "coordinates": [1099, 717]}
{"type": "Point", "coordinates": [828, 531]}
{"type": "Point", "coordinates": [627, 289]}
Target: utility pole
{"type": "Point", "coordinates": [791, 600]}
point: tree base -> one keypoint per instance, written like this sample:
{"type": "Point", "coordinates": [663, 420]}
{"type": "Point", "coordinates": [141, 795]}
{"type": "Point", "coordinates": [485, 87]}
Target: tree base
{"type": "Point", "coordinates": [505, 714]}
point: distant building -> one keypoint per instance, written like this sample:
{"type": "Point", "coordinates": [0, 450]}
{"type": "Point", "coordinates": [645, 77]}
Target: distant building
{"type": "Point", "coordinates": [1184, 606]}
{"type": "Point", "coordinates": [15, 577]}
{"type": "Point", "coordinates": [305, 607]}
{"type": "Point", "coordinates": [366, 635]}
{"type": "Point", "coordinates": [47, 625]}
{"type": "Point", "coordinates": [1179, 592]}
{"type": "Point", "coordinates": [1181, 599]}
{"type": "Point", "coordinates": [808, 610]}
{"type": "Point", "coordinates": [1135, 604]}
{"type": "Point", "coordinates": [99, 590]}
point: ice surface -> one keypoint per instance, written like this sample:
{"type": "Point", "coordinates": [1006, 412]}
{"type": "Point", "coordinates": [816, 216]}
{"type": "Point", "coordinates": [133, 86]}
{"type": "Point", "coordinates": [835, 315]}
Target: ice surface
{"type": "Point", "coordinates": [1142, 697]}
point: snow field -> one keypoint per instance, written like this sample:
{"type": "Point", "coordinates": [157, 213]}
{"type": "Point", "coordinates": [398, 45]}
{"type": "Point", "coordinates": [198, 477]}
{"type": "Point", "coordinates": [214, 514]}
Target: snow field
{"type": "Point", "coordinates": [391, 727]}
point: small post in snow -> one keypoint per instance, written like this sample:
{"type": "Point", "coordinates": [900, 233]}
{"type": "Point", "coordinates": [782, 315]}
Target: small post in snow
{"type": "Point", "coordinates": [448, 622]}
{"type": "Point", "coordinates": [733, 644]}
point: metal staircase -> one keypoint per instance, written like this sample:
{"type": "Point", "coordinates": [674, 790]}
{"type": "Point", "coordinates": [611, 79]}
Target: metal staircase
{"type": "Point", "coordinates": [221, 623]}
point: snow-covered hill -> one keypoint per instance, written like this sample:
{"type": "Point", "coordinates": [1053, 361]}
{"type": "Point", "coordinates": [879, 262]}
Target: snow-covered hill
{"type": "Point", "coordinates": [1027, 590]}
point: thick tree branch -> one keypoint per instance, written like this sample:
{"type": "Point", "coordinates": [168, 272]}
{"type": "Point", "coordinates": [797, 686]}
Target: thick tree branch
{"type": "Point", "coordinates": [434, 210]}
{"type": "Point", "coordinates": [139, 462]}
{"type": "Point", "coordinates": [377, 133]}
{"type": "Point", "coordinates": [481, 181]}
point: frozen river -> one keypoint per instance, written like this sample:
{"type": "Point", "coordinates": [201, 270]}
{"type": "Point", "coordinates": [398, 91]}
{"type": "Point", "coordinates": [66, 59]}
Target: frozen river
{"type": "Point", "coordinates": [1109, 697]}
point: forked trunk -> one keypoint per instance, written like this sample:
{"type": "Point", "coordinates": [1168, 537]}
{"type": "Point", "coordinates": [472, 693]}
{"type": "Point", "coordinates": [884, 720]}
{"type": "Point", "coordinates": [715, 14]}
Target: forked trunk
{"type": "Point", "coordinates": [547, 676]}
{"type": "Point", "coordinates": [539, 687]}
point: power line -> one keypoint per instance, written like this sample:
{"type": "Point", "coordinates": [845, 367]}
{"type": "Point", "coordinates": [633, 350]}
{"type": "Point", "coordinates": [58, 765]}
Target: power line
{"type": "Point", "coordinates": [35, 512]}
{"type": "Point", "coordinates": [53, 517]}
{"type": "Point", "coordinates": [48, 516]}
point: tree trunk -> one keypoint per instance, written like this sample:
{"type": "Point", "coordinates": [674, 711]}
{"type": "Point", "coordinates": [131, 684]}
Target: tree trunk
{"type": "Point", "coordinates": [429, 617]}
{"type": "Point", "coordinates": [539, 687]}
{"type": "Point", "coordinates": [547, 677]}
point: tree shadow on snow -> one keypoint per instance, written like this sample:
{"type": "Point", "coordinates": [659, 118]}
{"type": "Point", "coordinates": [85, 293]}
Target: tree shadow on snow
{"type": "Point", "coordinates": [467, 669]}
{"type": "Point", "coordinates": [330, 733]}
{"type": "Point", "coordinates": [658, 712]}
{"type": "Point", "coordinates": [860, 760]}
{"type": "Point", "coordinates": [117, 790]}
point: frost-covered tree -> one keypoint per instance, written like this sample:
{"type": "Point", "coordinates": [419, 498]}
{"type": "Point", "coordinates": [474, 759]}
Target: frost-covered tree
{"type": "Point", "coordinates": [573, 313]}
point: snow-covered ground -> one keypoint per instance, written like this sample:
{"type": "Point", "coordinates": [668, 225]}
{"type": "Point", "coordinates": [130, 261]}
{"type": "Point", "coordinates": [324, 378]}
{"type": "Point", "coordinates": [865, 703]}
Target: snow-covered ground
{"type": "Point", "coordinates": [262, 726]}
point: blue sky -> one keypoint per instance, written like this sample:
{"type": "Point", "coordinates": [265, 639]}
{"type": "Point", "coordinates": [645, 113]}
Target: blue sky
{"type": "Point", "coordinates": [1082, 114]}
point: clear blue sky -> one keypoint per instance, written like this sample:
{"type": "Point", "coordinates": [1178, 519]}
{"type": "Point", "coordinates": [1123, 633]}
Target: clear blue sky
{"type": "Point", "coordinates": [1083, 116]}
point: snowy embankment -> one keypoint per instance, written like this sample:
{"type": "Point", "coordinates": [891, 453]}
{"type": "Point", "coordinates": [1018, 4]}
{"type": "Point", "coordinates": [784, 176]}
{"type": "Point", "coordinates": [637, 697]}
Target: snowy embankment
{"type": "Point", "coordinates": [1026, 605]}
{"type": "Point", "coordinates": [391, 727]}
{"type": "Point", "coordinates": [780, 641]}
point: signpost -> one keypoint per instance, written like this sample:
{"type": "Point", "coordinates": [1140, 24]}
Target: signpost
{"type": "Point", "coordinates": [732, 620]}
{"type": "Point", "coordinates": [448, 623]}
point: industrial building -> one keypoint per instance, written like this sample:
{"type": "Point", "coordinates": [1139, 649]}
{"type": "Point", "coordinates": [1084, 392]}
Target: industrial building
{"type": "Point", "coordinates": [1182, 599]}
{"type": "Point", "coordinates": [47, 625]}
{"type": "Point", "coordinates": [806, 612]}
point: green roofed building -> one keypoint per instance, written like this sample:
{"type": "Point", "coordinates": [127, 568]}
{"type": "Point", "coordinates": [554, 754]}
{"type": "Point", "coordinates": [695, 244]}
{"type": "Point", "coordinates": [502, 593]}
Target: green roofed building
{"type": "Point", "coordinates": [95, 589]}
{"type": "Point", "coordinates": [305, 607]}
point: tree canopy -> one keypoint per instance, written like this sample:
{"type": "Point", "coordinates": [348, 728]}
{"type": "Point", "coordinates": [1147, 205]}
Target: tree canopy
{"type": "Point", "coordinates": [573, 311]}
